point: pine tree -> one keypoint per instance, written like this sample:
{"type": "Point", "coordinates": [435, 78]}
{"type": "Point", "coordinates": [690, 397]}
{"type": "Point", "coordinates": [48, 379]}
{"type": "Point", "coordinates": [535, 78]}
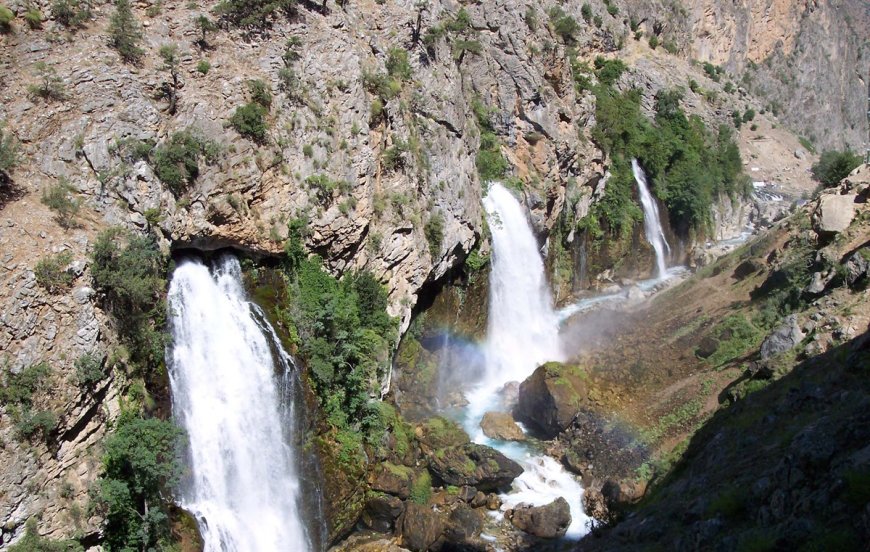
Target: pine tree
{"type": "Point", "coordinates": [125, 32]}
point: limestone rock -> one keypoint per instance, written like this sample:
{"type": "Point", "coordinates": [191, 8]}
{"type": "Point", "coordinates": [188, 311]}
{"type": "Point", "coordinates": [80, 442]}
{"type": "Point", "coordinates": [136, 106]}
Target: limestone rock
{"type": "Point", "coordinates": [501, 425]}
{"type": "Point", "coordinates": [833, 214]}
{"type": "Point", "coordinates": [549, 521]}
{"type": "Point", "coordinates": [783, 338]}
{"type": "Point", "coordinates": [475, 465]}
{"type": "Point", "coordinates": [551, 397]}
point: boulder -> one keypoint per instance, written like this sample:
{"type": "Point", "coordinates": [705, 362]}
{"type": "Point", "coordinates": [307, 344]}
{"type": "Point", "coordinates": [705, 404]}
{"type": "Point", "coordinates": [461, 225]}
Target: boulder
{"type": "Point", "coordinates": [474, 465]}
{"type": "Point", "coordinates": [420, 528]}
{"type": "Point", "coordinates": [707, 346]}
{"type": "Point", "coordinates": [547, 522]}
{"type": "Point", "coordinates": [501, 425]}
{"type": "Point", "coordinates": [782, 339]}
{"type": "Point", "coordinates": [833, 214]}
{"type": "Point", "coordinates": [463, 524]}
{"type": "Point", "coordinates": [857, 266]}
{"type": "Point", "coordinates": [393, 479]}
{"type": "Point", "coordinates": [551, 397]}
{"type": "Point", "coordinates": [819, 283]}
{"type": "Point", "coordinates": [748, 268]}
{"type": "Point", "coordinates": [381, 512]}
{"type": "Point", "coordinates": [438, 433]}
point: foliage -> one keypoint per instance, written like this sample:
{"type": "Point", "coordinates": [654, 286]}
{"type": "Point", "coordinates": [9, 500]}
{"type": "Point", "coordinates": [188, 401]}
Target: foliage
{"type": "Point", "coordinates": [461, 46]}
{"type": "Point", "coordinates": [140, 465]}
{"type": "Point", "coordinates": [253, 13]}
{"type": "Point", "coordinates": [89, 370]}
{"type": "Point", "coordinates": [176, 162]}
{"type": "Point", "coordinates": [203, 66]}
{"type": "Point", "coordinates": [9, 157]}
{"type": "Point", "coordinates": [260, 93]}
{"type": "Point", "coordinates": [129, 271]}
{"type": "Point", "coordinates": [688, 165]}
{"type": "Point", "coordinates": [834, 166]}
{"type": "Point", "coordinates": [563, 24]}
{"type": "Point", "coordinates": [393, 157]}
{"type": "Point", "coordinates": [32, 542]}
{"type": "Point", "coordinates": [653, 42]}
{"type": "Point", "coordinates": [249, 121]}
{"type": "Point", "coordinates": [33, 17]}
{"type": "Point", "coordinates": [748, 115]}
{"type": "Point", "coordinates": [397, 64]}
{"type": "Point", "coordinates": [59, 198]}
{"type": "Point", "coordinates": [51, 272]}
{"type": "Point", "coordinates": [6, 17]}
{"type": "Point", "coordinates": [50, 86]}
{"type": "Point", "coordinates": [125, 33]}
{"type": "Point", "coordinates": [205, 26]}
{"type": "Point", "coordinates": [736, 336]}
{"type": "Point", "coordinates": [476, 261]}
{"type": "Point", "coordinates": [609, 70]}
{"type": "Point", "coordinates": [421, 488]}
{"type": "Point", "coordinates": [17, 394]}
{"type": "Point", "coordinates": [324, 187]}
{"type": "Point", "coordinates": [434, 231]}
{"type": "Point", "coordinates": [586, 13]}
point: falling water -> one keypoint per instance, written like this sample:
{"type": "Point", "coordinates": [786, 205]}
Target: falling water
{"type": "Point", "coordinates": [243, 488]}
{"type": "Point", "coordinates": [652, 224]}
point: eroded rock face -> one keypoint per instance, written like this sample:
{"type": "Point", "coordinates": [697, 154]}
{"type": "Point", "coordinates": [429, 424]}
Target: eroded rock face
{"type": "Point", "coordinates": [474, 465]}
{"type": "Point", "coordinates": [501, 425]}
{"type": "Point", "coordinates": [549, 521]}
{"type": "Point", "coordinates": [785, 337]}
{"type": "Point", "coordinates": [551, 397]}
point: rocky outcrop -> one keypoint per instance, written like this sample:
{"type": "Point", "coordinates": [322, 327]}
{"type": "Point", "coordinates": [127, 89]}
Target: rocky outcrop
{"type": "Point", "coordinates": [501, 425]}
{"type": "Point", "coordinates": [833, 214]}
{"type": "Point", "coordinates": [381, 512]}
{"type": "Point", "coordinates": [420, 528]}
{"type": "Point", "coordinates": [551, 397]}
{"type": "Point", "coordinates": [474, 465]}
{"type": "Point", "coordinates": [548, 521]}
{"type": "Point", "coordinates": [785, 337]}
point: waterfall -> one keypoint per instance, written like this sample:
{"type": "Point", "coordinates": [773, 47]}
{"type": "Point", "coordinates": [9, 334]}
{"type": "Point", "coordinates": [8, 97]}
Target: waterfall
{"type": "Point", "coordinates": [652, 224]}
{"type": "Point", "coordinates": [523, 329]}
{"type": "Point", "coordinates": [227, 394]}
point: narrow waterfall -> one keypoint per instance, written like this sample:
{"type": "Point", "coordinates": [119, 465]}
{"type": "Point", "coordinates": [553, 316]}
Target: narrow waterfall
{"type": "Point", "coordinates": [523, 329]}
{"type": "Point", "coordinates": [227, 394]}
{"type": "Point", "coordinates": [652, 224]}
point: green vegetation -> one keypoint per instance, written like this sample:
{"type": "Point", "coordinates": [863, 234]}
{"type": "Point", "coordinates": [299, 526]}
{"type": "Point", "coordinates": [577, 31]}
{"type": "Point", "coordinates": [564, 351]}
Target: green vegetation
{"type": "Point", "coordinates": [653, 42]}
{"type": "Point", "coordinates": [421, 489]}
{"type": "Point", "coordinates": [176, 162]}
{"type": "Point", "coordinates": [125, 33]}
{"type": "Point", "coordinates": [89, 370]}
{"type": "Point", "coordinates": [129, 272]}
{"type": "Point", "coordinates": [260, 93]}
{"type": "Point", "coordinates": [586, 13]}
{"type": "Point", "coordinates": [6, 17]}
{"type": "Point", "coordinates": [205, 26]}
{"type": "Point", "coordinates": [32, 542]}
{"type": "Point", "coordinates": [434, 231]}
{"type": "Point", "coordinates": [736, 336]}
{"type": "Point", "coordinates": [491, 164]}
{"type": "Point", "coordinates": [324, 187]}
{"type": "Point", "coordinates": [51, 272]}
{"type": "Point", "coordinates": [8, 152]}
{"type": "Point", "coordinates": [678, 418]}
{"type": "Point", "coordinates": [687, 164]}
{"type": "Point", "coordinates": [713, 71]}
{"type": "Point", "coordinates": [730, 504]}
{"type": "Point", "coordinates": [564, 25]}
{"type": "Point", "coordinates": [253, 13]}
{"type": "Point", "coordinates": [50, 86]}
{"type": "Point", "coordinates": [249, 120]}
{"type": "Point", "coordinates": [17, 393]}
{"type": "Point", "coordinates": [806, 144]}
{"type": "Point", "coordinates": [397, 64]}
{"type": "Point", "coordinates": [203, 66]}
{"type": "Point", "coordinates": [59, 198]}
{"type": "Point", "coordinates": [476, 261]}
{"type": "Point", "coordinates": [834, 166]}
{"type": "Point", "coordinates": [33, 18]}
{"type": "Point", "coordinates": [608, 71]}
{"type": "Point", "coordinates": [140, 466]}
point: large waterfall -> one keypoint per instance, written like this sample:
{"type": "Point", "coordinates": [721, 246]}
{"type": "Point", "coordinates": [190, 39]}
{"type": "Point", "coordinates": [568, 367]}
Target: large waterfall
{"type": "Point", "coordinates": [652, 224]}
{"type": "Point", "coordinates": [226, 392]}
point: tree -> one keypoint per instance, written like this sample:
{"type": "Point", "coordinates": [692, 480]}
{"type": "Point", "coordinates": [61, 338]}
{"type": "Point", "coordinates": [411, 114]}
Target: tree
{"type": "Point", "coordinates": [169, 54]}
{"type": "Point", "coordinates": [72, 14]}
{"type": "Point", "coordinates": [59, 198]}
{"type": "Point", "coordinates": [205, 26]}
{"type": "Point", "coordinates": [32, 542]}
{"type": "Point", "coordinates": [249, 121]}
{"type": "Point", "coordinates": [8, 152]}
{"type": "Point", "coordinates": [834, 166]}
{"type": "Point", "coordinates": [50, 86]}
{"type": "Point", "coordinates": [253, 13]}
{"type": "Point", "coordinates": [125, 32]}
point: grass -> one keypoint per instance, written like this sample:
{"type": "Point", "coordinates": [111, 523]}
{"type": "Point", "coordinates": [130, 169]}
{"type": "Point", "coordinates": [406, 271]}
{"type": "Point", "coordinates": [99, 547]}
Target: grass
{"type": "Point", "coordinates": [736, 337]}
{"type": "Point", "coordinates": [421, 489]}
{"type": "Point", "coordinates": [678, 417]}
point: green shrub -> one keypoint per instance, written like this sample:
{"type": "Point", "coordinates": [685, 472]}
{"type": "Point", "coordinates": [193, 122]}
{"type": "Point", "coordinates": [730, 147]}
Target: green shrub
{"type": "Point", "coordinates": [205, 26]}
{"type": "Point", "coordinates": [324, 187]}
{"type": "Point", "coordinates": [461, 46]}
{"type": "Point", "coordinates": [176, 162]}
{"type": "Point", "coordinates": [50, 86]}
{"type": "Point", "coordinates": [461, 23]}
{"type": "Point", "coordinates": [612, 10]}
{"type": "Point", "coordinates": [748, 115]}
{"type": "Point", "coordinates": [434, 231]}
{"type": "Point", "coordinates": [260, 93]}
{"type": "Point", "coordinates": [32, 542]}
{"type": "Point", "coordinates": [586, 13]}
{"type": "Point", "coordinates": [712, 71]}
{"type": "Point", "coordinates": [609, 70]}
{"type": "Point", "coordinates": [125, 33]}
{"type": "Point", "coordinates": [203, 66]}
{"type": "Point", "coordinates": [834, 166]}
{"type": "Point", "coordinates": [89, 370]}
{"type": "Point", "coordinates": [140, 465]}
{"type": "Point", "coordinates": [18, 388]}
{"type": "Point", "coordinates": [393, 156]}
{"type": "Point", "coordinates": [33, 17]}
{"type": "Point", "coordinates": [253, 13]}
{"type": "Point", "coordinates": [8, 151]}
{"type": "Point", "coordinates": [249, 120]}
{"type": "Point", "coordinates": [736, 336]}
{"type": "Point", "coordinates": [6, 17]}
{"type": "Point", "coordinates": [421, 488]}
{"type": "Point", "coordinates": [653, 42]}
{"type": "Point", "coordinates": [33, 423]}
{"type": "Point", "coordinates": [563, 24]}
{"type": "Point", "coordinates": [51, 272]}
{"type": "Point", "coordinates": [129, 272]}
{"type": "Point", "coordinates": [397, 64]}
{"type": "Point", "coordinates": [476, 261]}
{"type": "Point", "coordinates": [59, 198]}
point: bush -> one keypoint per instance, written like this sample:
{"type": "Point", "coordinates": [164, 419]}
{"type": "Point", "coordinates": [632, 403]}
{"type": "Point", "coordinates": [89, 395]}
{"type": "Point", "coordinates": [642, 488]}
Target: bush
{"type": "Point", "coordinates": [491, 164]}
{"type": "Point", "coordinates": [59, 198]}
{"type": "Point", "coordinates": [653, 42]}
{"type": "Point", "coordinates": [129, 272]}
{"type": "Point", "coordinates": [140, 466]}
{"type": "Point", "coordinates": [324, 187]}
{"type": "Point", "coordinates": [609, 70]}
{"type": "Point", "coordinates": [51, 272]}
{"type": "Point", "coordinates": [397, 64]}
{"type": "Point", "coordinates": [176, 162]}
{"type": "Point", "coordinates": [253, 13]}
{"type": "Point", "coordinates": [89, 370]}
{"type": "Point", "coordinates": [586, 13]}
{"type": "Point", "coordinates": [260, 93]}
{"type": "Point", "coordinates": [50, 86]}
{"type": "Point", "coordinates": [612, 10]}
{"type": "Point", "coordinates": [125, 33]}
{"type": "Point", "coordinates": [203, 66]}
{"type": "Point", "coordinates": [249, 121]}
{"type": "Point", "coordinates": [563, 24]}
{"type": "Point", "coordinates": [8, 151]}
{"type": "Point", "coordinates": [32, 542]}
{"type": "Point", "coordinates": [6, 17]}
{"type": "Point", "coordinates": [834, 166]}
{"type": "Point", "coordinates": [748, 115]}
{"type": "Point", "coordinates": [434, 231]}
{"type": "Point", "coordinates": [421, 488]}
{"type": "Point", "coordinates": [460, 47]}
{"type": "Point", "coordinates": [17, 393]}
{"type": "Point", "coordinates": [34, 18]}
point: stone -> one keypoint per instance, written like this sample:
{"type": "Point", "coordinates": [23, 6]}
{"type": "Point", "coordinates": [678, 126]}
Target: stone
{"type": "Point", "coordinates": [466, 493]}
{"type": "Point", "coordinates": [707, 346]}
{"type": "Point", "coordinates": [420, 527]}
{"type": "Point", "coordinates": [819, 283]}
{"type": "Point", "coordinates": [474, 465]}
{"type": "Point", "coordinates": [439, 433]}
{"type": "Point", "coordinates": [833, 214]}
{"type": "Point", "coordinates": [549, 521]}
{"type": "Point", "coordinates": [857, 266]}
{"type": "Point", "coordinates": [748, 268]}
{"type": "Point", "coordinates": [785, 337]}
{"type": "Point", "coordinates": [799, 154]}
{"type": "Point", "coordinates": [381, 512]}
{"type": "Point", "coordinates": [463, 524]}
{"type": "Point", "coordinates": [479, 500]}
{"type": "Point", "coordinates": [394, 480]}
{"type": "Point", "coordinates": [551, 397]}
{"type": "Point", "coordinates": [501, 425]}
{"type": "Point", "coordinates": [493, 502]}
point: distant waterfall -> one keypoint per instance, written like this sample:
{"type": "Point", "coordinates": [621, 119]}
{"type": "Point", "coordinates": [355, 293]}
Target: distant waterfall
{"type": "Point", "coordinates": [652, 224]}
{"type": "Point", "coordinates": [243, 487]}
{"type": "Point", "coordinates": [523, 329]}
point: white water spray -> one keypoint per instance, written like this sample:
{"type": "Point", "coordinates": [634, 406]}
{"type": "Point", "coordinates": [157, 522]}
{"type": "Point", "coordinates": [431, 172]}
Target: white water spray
{"type": "Point", "coordinates": [243, 489]}
{"type": "Point", "coordinates": [652, 224]}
